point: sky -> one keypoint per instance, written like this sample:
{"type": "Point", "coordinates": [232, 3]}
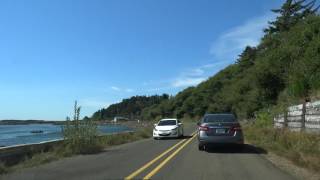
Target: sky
{"type": "Point", "coordinates": [101, 51]}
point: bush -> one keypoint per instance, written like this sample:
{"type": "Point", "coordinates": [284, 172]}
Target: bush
{"type": "Point", "coordinates": [263, 119]}
{"type": "Point", "coordinates": [81, 137]}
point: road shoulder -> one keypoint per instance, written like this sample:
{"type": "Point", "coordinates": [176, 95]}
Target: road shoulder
{"type": "Point", "coordinates": [287, 166]}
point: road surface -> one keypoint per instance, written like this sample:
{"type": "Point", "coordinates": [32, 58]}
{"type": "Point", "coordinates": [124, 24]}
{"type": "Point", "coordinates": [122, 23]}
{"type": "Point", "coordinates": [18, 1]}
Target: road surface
{"type": "Point", "coordinates": [160, 159]}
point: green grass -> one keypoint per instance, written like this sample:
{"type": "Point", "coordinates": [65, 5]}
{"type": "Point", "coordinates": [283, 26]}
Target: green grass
{"type": "Point", "coordinates": [117, 139]}
{"type": "Point", "coordinates": [37, 159]}
{"type": "Point", "coordinates": [64, 150]}
{"type": "Point", "coordinates": [303, 149]}
{"type": "Point", "coordinates": [3, 168]}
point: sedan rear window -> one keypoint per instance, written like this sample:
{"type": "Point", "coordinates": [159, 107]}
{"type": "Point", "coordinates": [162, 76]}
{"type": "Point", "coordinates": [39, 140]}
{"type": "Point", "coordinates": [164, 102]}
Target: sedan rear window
{"type": "Point", "coordinates": [167, 123]}
{"type": "Point", "coordinates": [219, 118]}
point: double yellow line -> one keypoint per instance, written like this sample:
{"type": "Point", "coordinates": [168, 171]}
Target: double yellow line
{"type": "Point", "coordinates": [155, 170]}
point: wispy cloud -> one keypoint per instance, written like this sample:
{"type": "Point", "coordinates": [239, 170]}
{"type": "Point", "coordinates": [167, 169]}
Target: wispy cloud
{"type": "Point", "coordinates": [195, 76]}
{"type": "Point", "coordinates": [93, 103]}
{"type": "Point", "coordinates": [224, 49]}
{"type": "Point", "coordinates": [158, 89]}
{"type": "Point", "coordinates": [188, 77]}
{"type": "Point", "coordinates": [185, 82]}
{"type": "Point", "coordinates": [230, 44]}
{"type": "Point", "coordinates": [115, 88]}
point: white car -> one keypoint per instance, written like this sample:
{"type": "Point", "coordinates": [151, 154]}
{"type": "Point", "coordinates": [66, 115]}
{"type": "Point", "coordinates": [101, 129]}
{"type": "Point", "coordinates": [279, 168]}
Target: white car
{"type": "Point", "coordinates": [168, 128]}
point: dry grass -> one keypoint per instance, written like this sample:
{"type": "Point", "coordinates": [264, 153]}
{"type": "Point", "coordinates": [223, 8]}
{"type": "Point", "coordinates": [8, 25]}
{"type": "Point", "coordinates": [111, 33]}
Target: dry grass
{"type": "Point", "coordinates": [301, 148]}
{"type": "Point", "coordinates": [37, 159]}
{"type": "Point", "coordinates": [117, 139]}
{"type": "Point", "coordinates": [3, 168]}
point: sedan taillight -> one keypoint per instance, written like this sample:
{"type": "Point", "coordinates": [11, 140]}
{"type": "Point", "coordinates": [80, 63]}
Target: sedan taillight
{"type": "Point", "coordinates": [236, 127]}
{"type": "Point", "coordinates": [203, 128]}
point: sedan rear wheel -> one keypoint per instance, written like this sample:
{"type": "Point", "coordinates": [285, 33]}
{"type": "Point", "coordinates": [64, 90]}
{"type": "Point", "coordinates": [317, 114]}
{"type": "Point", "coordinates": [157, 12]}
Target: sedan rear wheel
{"type": "Point", "coordinates": [201, 147]}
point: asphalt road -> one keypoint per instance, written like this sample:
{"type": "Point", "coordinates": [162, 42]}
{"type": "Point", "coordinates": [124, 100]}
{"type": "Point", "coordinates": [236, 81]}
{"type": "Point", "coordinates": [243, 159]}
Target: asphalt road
{"type": "Point", "coordinates": [182, 162]}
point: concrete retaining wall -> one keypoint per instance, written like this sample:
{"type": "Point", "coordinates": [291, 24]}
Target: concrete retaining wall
{"type": "Point", "coordinates": [12, 154]}
{"type": "Point", "coordinates": [293, 118]}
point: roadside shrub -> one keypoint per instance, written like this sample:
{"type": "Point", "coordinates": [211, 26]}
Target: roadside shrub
{"type": "Point", "coordinates": [263, 119]}
{"type": "Point", "coordinates": [301, 148]}
{"type": "Point", "coordinates": [144, 133]}
{"type": "Point", "coordinates": [81, 137]}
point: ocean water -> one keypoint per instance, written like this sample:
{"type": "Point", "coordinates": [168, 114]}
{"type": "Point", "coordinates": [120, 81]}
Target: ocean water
{"type": "Point", "coordinates": [21, 134]}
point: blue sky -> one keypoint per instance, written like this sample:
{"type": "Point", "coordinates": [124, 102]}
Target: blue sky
{"type": "Point", "coordinates": [101, 51]}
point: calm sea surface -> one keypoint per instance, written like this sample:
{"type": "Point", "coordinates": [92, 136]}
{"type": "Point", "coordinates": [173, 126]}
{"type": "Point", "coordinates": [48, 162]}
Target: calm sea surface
{"type": "Point", "coordinates": [21, 134]}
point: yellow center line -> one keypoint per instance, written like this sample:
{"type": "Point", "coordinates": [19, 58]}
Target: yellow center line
{"type": "Point", "coordinates": [135, 173]}
{"type": "Point", "coordinates": [155, 170]}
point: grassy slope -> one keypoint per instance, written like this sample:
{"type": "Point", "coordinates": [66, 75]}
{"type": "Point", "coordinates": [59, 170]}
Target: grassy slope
{"type": "Point", "coordinates": [303, 149]}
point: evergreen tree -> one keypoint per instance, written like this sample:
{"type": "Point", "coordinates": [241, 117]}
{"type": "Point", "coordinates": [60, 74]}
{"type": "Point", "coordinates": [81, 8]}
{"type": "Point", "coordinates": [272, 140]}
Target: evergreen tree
{"type": "Point", "coordinates": [290, 13]}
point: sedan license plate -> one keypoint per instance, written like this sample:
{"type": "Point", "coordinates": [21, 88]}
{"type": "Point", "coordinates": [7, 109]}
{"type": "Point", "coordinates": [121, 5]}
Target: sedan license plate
{"type": "Point", "coordinates": [220, 131]}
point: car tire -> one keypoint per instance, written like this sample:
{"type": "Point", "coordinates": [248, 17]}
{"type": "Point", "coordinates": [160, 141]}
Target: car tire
{"type": "Point", "coordinates": [155, 138]}
{"type": "Point", "coordinates": [241, 147]}
{"type": "Point", "coordinates": [201, 147]}
{"type": "Point", "coordinates": [181, 135]}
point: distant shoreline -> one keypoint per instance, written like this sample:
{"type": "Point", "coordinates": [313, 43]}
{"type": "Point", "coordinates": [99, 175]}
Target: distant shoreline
{"type": "Point", "coordinates": [26, 122]}
{"type": "Point", "coordinates": [131, 124]}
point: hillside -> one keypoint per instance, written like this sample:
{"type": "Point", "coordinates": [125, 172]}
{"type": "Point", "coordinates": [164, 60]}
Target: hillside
{"type": "Point", "coordinates": [130, 108]}
{"type": "Point", "coordinates": [284, 68]}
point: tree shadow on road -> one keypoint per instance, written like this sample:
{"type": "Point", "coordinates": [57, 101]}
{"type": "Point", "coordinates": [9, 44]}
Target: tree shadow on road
{"type": "Point", "coordinates": [235, 149]}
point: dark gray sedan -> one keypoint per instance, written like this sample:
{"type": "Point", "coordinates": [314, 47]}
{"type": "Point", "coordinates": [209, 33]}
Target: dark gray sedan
{"type": "Point", "coordinates": [219, 129]}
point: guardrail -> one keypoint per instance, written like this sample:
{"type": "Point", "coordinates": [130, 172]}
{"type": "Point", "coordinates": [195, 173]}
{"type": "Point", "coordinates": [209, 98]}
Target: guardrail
{"type": "Point", "coordinates": [293, 118]}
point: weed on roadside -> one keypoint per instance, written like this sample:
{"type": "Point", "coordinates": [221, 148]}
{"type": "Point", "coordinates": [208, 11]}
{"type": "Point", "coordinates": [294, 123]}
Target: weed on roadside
{"type": "Point", "coordinates": [303, 149]}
